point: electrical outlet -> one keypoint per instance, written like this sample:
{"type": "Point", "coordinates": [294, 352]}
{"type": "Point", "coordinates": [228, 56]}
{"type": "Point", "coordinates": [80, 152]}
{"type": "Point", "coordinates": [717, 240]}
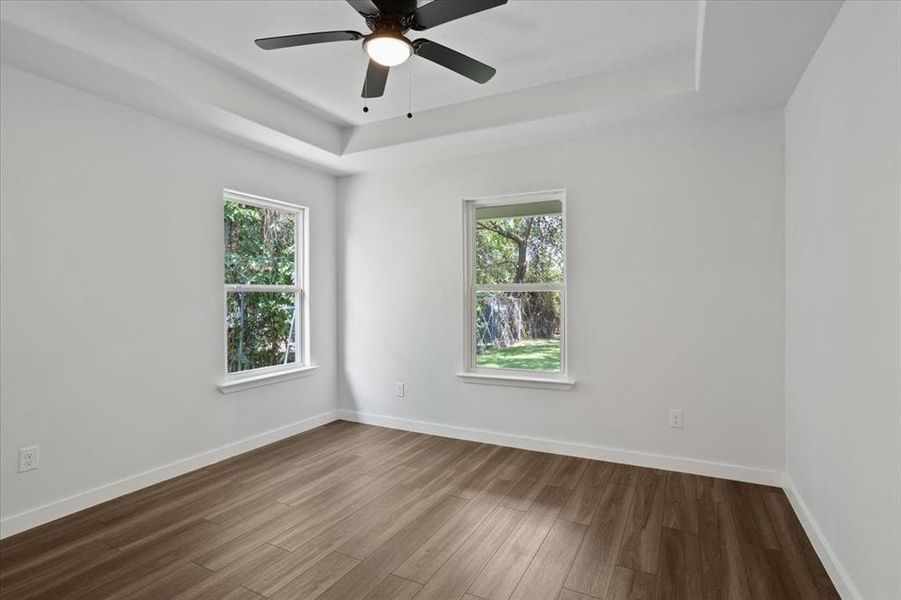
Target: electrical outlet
{"type": "Point", "coordinates": [29, 458]}
{"type": "Point", "coordinates": [399, 390]}
{"type": "Point", "coordinates": [675, 418]}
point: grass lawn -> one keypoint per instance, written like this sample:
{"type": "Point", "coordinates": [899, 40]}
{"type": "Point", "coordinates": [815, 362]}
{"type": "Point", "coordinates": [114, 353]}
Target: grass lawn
{"type": "Point", "coordinates": [532, 355]}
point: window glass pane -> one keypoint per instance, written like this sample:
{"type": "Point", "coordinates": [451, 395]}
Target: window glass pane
{"type": "Point", "coordinates": [520, 248]}
{"type": "Point", "coordinates": [259, 245]}
{"type": "Point", "coordinates": [518, 330]}
{"type": "Point", "coordinates": [261, 330]}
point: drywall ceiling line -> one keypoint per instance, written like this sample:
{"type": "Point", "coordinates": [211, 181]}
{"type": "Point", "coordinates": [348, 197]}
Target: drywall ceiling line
{"type": "Point", "coordinates": [217, 61]}
{"type": "Point", "coordinates": [21, 49]}
{"type": "Point", "coordinates": [611, 91]}
{"type": "Point", "coordinates": [95, 34]}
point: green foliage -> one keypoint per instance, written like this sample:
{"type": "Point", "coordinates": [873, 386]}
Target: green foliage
{"type": "Point", "coordinates": [530, 355]}
{"type": "Point", "coordinates": [259, 330]}
{"type": "Point", "coordinates": [259, 249]}
{"type": "Point", "coordinates": [259, 245]}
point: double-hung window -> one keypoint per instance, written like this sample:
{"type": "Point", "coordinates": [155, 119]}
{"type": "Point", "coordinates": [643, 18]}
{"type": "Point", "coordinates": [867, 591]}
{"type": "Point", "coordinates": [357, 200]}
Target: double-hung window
{"type": "Point", "coordinates": [266, 307]}
{"type": "Point", "coordinates": [516, 286]}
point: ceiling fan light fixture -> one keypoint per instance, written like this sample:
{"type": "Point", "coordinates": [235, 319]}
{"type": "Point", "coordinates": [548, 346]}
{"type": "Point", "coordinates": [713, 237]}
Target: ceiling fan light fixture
{"type": "Point", "coordinates": [388, 50]}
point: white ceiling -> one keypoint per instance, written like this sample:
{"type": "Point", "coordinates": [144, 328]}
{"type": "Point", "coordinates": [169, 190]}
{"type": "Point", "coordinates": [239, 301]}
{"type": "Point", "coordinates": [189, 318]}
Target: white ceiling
{"type": "Point", "coordinates": [565, 69]}
{"type": "Point", "coordinates": [529, 42]}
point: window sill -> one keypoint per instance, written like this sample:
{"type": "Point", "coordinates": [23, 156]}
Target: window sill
{"type": "Point", "coordinates": [547, 383]}
{"type": "Point", "coordinates": [245, 383]}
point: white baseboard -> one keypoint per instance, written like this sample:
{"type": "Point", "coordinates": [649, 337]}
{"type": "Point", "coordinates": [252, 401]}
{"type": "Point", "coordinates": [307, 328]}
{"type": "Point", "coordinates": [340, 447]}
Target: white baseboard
{"type": "Point", "coordinates": [60, 508]}
{"type": "Point", "coordinates": [840, 578]}
{"type": "Point", "coordinates": [629, 457]}
{"type": "Point", "coordinates": [66, 506]}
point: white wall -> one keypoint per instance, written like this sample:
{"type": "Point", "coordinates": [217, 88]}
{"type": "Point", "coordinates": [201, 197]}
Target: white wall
{"type": "Point", "coordinates": [675, 249]}
{"type": "Point", "coordinates": [111, 302]}
{"type": "Point", "coordinates": [843, 393]}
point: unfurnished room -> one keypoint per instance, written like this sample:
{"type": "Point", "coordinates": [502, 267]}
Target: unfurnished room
{"type": "Point", "coordinates": [450, 300]}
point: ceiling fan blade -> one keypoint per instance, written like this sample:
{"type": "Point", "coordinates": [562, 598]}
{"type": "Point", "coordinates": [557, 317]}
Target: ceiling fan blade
{"type": "Point", "coordinates": [376, 77]}
{"type": "Point", "coordinates": [438, 12]}
{"type": "Point", "coordinates": [365, 7]}
{"type": "Point", "coordinates": [305, 39]}
{"type": "Point", "coordinates": [453, 60]}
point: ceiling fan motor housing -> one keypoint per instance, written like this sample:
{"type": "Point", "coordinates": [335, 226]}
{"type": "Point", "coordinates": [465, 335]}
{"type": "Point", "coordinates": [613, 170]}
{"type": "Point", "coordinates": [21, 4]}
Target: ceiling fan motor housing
{"type": "Point", "coordinates": [389, 22]}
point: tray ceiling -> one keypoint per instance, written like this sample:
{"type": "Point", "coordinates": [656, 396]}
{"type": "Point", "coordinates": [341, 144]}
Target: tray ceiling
{"type": "Point", "coordinates": [529, 42]}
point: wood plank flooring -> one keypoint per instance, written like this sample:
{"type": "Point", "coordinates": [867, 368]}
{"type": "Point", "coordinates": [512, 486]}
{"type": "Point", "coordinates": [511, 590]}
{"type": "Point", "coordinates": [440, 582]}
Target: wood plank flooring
{"type": "Point", "coordinates": [355, 512]}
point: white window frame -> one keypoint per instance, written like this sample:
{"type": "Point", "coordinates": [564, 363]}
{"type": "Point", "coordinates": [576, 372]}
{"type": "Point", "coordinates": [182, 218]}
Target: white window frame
{"type": "Point", "coordinates": [471, 373]}
{"type": "Point", "coordinates": [302, 364]}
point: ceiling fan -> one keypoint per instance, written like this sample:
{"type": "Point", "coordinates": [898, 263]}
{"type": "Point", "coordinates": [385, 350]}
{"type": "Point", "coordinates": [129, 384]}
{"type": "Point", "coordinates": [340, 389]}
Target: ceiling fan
{"type": "Point", "coordinates": [389, 20]}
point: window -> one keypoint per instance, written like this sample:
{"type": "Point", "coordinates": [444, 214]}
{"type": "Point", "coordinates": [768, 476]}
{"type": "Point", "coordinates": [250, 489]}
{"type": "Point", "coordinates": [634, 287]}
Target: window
{"type": "Point", "coordinates": [265, 286]}
{"type": "Point", "coordinates": [516, 286]}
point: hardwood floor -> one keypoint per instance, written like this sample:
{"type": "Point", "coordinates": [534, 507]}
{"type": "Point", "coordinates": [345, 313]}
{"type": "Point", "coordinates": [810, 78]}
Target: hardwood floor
{"type": "Point", "coordinates": [355, 512]}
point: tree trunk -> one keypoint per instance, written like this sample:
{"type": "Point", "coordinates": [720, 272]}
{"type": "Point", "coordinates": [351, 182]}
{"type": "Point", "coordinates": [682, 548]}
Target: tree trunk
{"type": "Point", "coordinates": [522, 246]}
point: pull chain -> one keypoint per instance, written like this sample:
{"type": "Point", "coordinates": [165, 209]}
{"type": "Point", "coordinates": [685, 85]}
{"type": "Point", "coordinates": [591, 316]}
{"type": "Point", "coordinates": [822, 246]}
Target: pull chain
{"type": "Point", "coordinates": [365, 93]}
{"type": "Point", "coordinates": [410, 90]}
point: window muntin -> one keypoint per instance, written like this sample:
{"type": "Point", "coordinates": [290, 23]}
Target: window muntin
{"type": "Point", "coordinates": [516, 284]}
{"type": "Point", "coordinates": [265, 318]}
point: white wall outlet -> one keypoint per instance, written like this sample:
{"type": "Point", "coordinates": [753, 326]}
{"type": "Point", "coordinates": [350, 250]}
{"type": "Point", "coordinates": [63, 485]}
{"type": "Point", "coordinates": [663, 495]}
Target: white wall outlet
{"type": "Point", "coordinates": [675, 418]}
{"type": "Point", "coordinates": [398, 390]}
{"type": "Point", "coordinates": [29, 458]}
